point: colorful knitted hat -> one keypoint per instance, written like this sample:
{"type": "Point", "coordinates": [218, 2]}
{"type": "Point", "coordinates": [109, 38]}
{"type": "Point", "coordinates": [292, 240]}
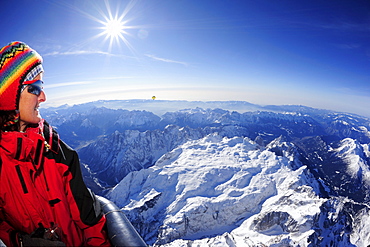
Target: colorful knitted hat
{"type": "Point", "coordinates": [17, 61]}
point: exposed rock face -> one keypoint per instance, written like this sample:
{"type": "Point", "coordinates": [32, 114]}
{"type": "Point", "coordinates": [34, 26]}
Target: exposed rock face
{"type": "Point", "coordinates": [272, 220]}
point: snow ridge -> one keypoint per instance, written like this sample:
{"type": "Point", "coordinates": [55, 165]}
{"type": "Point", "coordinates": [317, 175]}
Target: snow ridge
{"type": "Point", "coordinates": [214, 185]}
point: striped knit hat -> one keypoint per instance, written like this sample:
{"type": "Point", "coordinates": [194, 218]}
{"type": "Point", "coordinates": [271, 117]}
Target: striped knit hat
{"type": "Point", "coordinates": [18, 63]}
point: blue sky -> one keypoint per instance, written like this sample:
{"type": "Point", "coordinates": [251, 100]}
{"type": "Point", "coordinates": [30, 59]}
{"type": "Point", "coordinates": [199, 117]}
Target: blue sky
{"type": "Point", "coordinates": [313, 53]}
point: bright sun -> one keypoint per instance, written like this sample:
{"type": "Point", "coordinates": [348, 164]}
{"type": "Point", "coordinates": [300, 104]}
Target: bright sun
{"type": "Point", "coordinates": [114, 29]}
{"type": "Point", "coordinates": [114, 22]}
{"type": "Point", "coordinates": [115, 26]}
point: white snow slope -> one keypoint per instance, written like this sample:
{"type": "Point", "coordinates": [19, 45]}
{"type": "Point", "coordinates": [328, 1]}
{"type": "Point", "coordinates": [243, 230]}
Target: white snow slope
{"type": "Point", "coordinates": [222, 192]}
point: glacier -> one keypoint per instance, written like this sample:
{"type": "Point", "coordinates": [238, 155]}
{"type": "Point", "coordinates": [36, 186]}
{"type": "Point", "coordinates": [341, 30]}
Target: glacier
{"type": "Point", "coordinates": [264, 176]}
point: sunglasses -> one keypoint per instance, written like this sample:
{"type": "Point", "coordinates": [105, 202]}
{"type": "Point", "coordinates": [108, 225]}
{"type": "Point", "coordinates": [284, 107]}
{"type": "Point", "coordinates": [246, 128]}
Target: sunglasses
{"type": "Point", "coordinates": [34, 87]}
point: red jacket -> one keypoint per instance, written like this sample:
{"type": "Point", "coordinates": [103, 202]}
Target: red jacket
{"type": "Point", "coordinates": [41, 182]}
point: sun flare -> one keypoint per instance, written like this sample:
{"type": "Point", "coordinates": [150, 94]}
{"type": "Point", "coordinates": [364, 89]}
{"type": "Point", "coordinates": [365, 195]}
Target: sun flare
{"type": "Point", "coordinates": [114, 30]}
{"type": "Point", "coordinates": [115, 26]}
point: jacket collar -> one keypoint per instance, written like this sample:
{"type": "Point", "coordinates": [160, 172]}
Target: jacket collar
{"type": "Point", "coordinates": [23, 146]}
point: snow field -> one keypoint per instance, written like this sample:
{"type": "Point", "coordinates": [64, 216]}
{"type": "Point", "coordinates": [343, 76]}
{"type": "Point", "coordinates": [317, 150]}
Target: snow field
{"type": "Point", "coordinates": [221, 190]}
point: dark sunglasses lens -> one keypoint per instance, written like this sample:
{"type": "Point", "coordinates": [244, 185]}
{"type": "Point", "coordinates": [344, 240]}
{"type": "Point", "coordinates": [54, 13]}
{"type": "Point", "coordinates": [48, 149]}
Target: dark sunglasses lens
{"type": "Point", "coordinates": [34, 89]}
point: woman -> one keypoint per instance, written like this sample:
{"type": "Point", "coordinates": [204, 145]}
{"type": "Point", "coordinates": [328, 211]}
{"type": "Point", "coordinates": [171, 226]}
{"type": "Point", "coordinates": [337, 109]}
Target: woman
{"type": "Point", "coordinates": [42, 195]}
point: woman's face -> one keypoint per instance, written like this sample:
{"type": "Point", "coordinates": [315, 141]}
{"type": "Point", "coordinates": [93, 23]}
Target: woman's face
{"type": "Point", "coordinates": [28, 107]}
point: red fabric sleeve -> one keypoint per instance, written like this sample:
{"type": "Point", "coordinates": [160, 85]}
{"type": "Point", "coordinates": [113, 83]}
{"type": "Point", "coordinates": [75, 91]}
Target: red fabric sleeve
{"type": "Point", "coordinates": [5, 233]}
{"type": "Point", "coordinates": [95, 235]}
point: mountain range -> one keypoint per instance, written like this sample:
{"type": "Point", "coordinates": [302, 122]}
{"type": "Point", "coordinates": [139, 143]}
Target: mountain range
{"type": "Point", "coordinates": [226, 173]}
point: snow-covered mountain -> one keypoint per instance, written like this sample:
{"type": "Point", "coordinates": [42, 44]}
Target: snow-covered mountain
{"type": "Point", "coordinates": [215, 185]}
{"type": "Point", "coordinates": [219, 191]}
{"type": "Point", "coordinates": [278, 176]}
